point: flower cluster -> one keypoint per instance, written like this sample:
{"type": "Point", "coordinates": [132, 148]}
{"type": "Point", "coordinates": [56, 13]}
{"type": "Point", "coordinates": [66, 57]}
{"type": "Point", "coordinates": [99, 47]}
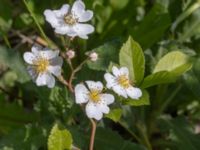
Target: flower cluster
{"type": "Point", "coordinates": [97, 101]}
{"type": "Point", "coordinates": [46, 64]}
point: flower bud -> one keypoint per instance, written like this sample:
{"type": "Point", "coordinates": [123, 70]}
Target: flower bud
{"type": "Point", "coordinates": [93, 56]}
{"type": "Point", "coordinates": [70, 54]}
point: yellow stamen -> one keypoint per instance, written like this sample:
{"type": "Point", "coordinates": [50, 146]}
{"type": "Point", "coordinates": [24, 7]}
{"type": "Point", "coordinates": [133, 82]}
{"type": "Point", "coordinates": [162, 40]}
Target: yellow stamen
{"type": "Point", "coordinates": [123, 81]}
{"type": "Point", "coordinates": [94, 96]}
{"type": "Point", "coordinates": [41, 65]}
{"type": "Point", "coordinates": [70, 19]}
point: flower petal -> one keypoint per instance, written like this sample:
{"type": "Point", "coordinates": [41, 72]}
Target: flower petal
{"type": "Point", "coordinates": [93, 111]}
{"type": "Point", "coordinates": [94, 85]}
{"type": "Point", "coordinates": [29, 57]}
{"type": "Point", "coordinates": [134, 93]}
{"type": "Point", "coordinates": [78, 8]}
{"type": "Point", "coordinates": [115, 71]}
{"type": "Point", "coordinates": [110, 79]}
{"type": "Point", "coordinates": [86, 16]}
{"type": "Point", "coordinates": [83, 29]}
{"type": "Point", "coordinates": [64, 9]}
{"type": "Point", "coordinates": [51, 18]}
{"type": "Point", "coordinates": [56, 61]}
{"type": "Point", "coordinates": [124, 71]}
{"type": "Point", "coordinates": [81, 94]}
{"type": "Point", "coordinates": [56, 70]}
{"type": "Point", "coordinates": [33, 73]}
{"type": "Point", "coordinates": [65, 30]}
{"type": "Point", "coordinates": [49, 54]}
{"type": "Point", "coordinates": [35, 49]}
{"type": "Point", "coordinates": [41, 79]}
{"type": "Point", "coordinates": [120, 91]}
{"type": "Point", "coordinates": [103, 107]}
{"type": "Point", "coordinates": [107, 98]}
{"type": "Point", "coordinates": [50, 81]}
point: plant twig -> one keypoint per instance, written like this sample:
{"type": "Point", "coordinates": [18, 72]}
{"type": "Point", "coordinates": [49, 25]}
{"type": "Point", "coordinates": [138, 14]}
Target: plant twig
{"type": "Point", "coordinates": [6, 41]}
{"type": "Point", "coordinates": [92, 137]}
{"type": "Point", "coordinates": [74, 73]}
{"type": "Point", "coordinates": [36, 22]}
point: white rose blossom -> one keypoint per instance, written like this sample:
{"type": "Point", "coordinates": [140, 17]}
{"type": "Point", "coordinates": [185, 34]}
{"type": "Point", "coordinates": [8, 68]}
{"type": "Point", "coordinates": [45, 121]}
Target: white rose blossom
{"type": "Point", "coordinates": [119, 82]}
{"type": "Point", "coordinates": [43, 64]}
{"type": "Point", "coordinates": [71, 21]}
{"type": "Point", "coordinates": [97, 102]}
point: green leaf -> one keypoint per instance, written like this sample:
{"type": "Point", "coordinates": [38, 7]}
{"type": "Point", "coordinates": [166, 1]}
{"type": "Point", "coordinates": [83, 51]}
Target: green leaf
{"type": "Point", "coordinates": [59, 138]}
{"type": "Point", "coordinates": [172, 61]}
{"type": "Point", "coordinates": [181, 133]}
{"type": "Point", "coordinates": [157, 78]}
{"type": "Point", "coordinates": [106, 54]}
{"type": "Point", "coordinates": [33, 137]}
{"type": "Point", "coordinates": [168, 69]}
{"type": "Point", "coordinates": [132, 57]}
{"type": "Point", "coordinates": [119, 4]}
{"type": "Point", "coordinates": [114, 114]}
{"type": "Point", "coordinates": [144, 100]}
{"type": "Point", "coordinates": [12, 115]}
{"type": "Point", "coordinates": [117, 142]}
{"type": "Point", "coordinates": [13, 60]}
{"type": "Point", "coordinates": [192, 79]}
{"type": "Point", "coordinates": [152, 27]}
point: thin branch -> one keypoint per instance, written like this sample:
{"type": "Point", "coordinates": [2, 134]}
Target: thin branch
{"type": "Point", "coordinates": [92, 137]}
{"type": "Point", "coordinates": [74, 73]}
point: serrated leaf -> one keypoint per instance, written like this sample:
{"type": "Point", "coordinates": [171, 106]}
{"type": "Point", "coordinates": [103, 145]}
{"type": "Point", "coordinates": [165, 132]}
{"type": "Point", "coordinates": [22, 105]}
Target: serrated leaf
{"type": "Point", "coordinates": [106, 54]}
{"type": "Point", "coordinates": [114, 114]}
{"type": "Point", "coordinates": [132, 57]}
{"type": "Point", "coordinates": [59, 138]}
{"type": "Point", "coordinates": [144, 100]}
{"type": "Point", "coordinates": [13, 60]}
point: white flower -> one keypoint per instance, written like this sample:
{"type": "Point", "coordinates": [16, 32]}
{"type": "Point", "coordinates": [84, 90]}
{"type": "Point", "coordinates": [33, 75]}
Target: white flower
{"type": "Point", "coordinates": [70, 21]}
{"type": "Point", "coordinates": [93, 56]}
{"type": "Point", "coordinates": [43, 64]}
{"type": "Point", "coordinates": [119, 82]}
{"type": "Point", "coordinates": [96, 100]}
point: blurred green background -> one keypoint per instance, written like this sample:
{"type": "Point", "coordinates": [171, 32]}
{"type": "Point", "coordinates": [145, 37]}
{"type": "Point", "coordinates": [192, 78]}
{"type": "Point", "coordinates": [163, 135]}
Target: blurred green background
{"type": "Point", "coordinates": [171, 122]}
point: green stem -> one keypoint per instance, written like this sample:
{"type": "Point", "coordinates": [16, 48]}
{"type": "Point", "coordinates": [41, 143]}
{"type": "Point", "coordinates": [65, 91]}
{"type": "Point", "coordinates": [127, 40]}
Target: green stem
{"type": "Point", "coordinates": [130, 132]}
{"type": "Point", "coordinates": [37, 23]}
{"type": "Point", "coordinates": [145, 137]}
{"type": "Point", "coordinates": [6, 41]}
{"type": "Point", "coordinates": [166, 102]}
{"type": "Point", "coordinates": [185, 14]}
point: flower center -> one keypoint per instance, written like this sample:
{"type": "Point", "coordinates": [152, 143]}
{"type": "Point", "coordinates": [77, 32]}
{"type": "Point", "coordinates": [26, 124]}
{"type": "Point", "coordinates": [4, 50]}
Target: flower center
{"type": "Point", "coordinates": [94, 96]}
{"type": "Point", "coordinates": [70, 19]}
{"type": "Point", "coordinates": [41, 65]}
{"type": "Point", "coordinates": [123, 81]}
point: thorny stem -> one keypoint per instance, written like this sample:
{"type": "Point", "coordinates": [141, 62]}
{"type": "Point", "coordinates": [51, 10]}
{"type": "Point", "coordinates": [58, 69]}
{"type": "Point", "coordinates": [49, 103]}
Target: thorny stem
{"type": "Point", "coordinates": [92, 137]}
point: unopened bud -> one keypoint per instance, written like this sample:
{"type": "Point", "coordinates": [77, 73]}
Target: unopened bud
{"type": "Point", "coordinates": [70, 54]}
{"type": "Point", "coordinates": [93, 56]}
